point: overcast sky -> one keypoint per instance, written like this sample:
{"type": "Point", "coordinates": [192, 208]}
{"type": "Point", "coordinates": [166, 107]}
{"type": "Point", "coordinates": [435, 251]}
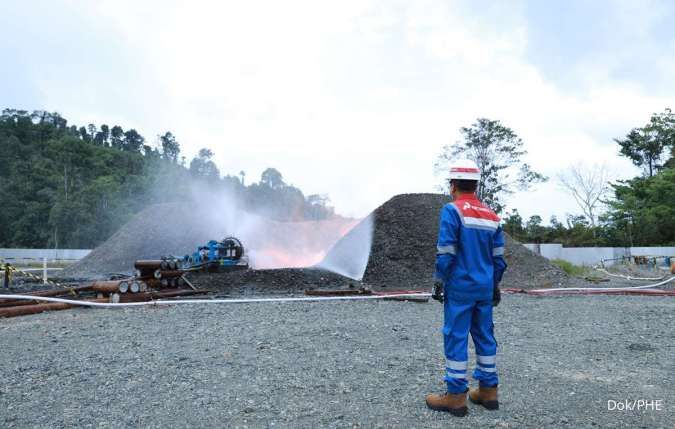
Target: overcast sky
{"type": "Point", "coordinates": [351, 98]}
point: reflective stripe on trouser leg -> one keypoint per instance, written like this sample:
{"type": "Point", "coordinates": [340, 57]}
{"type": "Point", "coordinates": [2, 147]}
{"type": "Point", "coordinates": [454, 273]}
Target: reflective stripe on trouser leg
{"type": "Point", "coordinates": [482, 332]}
{"type": "Point", "coordinates": [456, 341]}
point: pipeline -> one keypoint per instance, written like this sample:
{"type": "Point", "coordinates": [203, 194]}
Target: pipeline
{"type": "Point", "coordinates": [635, 290]}
{"type": "Point", "coordinates": [593, 291]}
{"type": "Point", "coordinates": [652, 286]}
{"type": "Point", "coordinates": [208, 301]}
{"type": "Point", "coordinates": [602, 270]}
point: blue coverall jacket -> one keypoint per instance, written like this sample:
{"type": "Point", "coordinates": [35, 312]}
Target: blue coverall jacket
{"type": "Point", "coordinates": [470, 250]}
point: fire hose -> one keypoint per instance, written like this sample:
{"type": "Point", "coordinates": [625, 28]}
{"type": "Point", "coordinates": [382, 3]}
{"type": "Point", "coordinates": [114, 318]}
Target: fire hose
{"type": "Point", "coordinates": [602, 270]}
{"type": "Point", "coordinates": [634, 290]}
{"type": "Point", "coordinates": [210, 301]}
{"type": "Point", "coordinates": [606, 288]}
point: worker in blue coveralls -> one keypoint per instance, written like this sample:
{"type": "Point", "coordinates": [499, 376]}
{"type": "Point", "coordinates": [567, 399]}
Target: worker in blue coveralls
{"type": "Point", "coordinates": [469, 266]}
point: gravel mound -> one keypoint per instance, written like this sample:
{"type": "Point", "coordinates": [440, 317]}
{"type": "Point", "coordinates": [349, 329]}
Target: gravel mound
{"type": "Point", "coordinates": [527, 270]}
{"type": "Point", "coordinates": [274, 281]}
{"type": "Point", "coordinates": [404, 248]}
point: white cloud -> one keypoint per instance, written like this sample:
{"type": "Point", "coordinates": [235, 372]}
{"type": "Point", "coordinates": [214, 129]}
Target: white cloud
{"type": "Point", "coordinates": [350, 98]}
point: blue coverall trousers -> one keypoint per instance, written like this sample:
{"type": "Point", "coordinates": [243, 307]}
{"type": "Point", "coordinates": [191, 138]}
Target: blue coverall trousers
{"type": "Point", "coordinates": [460, 319]}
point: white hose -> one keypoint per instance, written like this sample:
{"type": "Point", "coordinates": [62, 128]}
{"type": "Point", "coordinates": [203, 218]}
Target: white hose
{"type": "Point", "coordinates": [205, 301]}
{"type": "Point", "coordinates": [292, 299]}
{"type": "Point", "coordinates": [608, 288]}
{"type": "Point", "coordinates": [628, 277]}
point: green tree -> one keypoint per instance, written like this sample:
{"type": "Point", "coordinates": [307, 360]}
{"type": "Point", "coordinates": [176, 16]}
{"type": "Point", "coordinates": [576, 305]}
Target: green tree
{"type": "Point", "coordinates": [133, 141]}
{"type": "Point", "coordinates": [642, 211]}
{"type": "Point", "coordinates": [272, 178]}
{"type": "Point", "coordinates": [498, 152]}
{"type": "Point", "coordinates": [513, 225]}
{"type": "Point", "coordinates": [101, 137]}
{"type": "Point", "coordinates": [203, 167]}
{"type": "Point", "coordinates": [646, 146]}
{"type": "Point", "coordinates": [117, 137]}
{"type": "Point", "coordinates": [534, 229]}
{"type": "Point", "coordinates": [170, 147]}
{"type": "Point", "coordinates": [91, 129]}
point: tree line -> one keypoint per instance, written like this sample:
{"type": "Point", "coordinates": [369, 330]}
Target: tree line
{"type": "Point", "coordinates": [635, 212]}
{"type": "Point", "coordinates": [64, 186]}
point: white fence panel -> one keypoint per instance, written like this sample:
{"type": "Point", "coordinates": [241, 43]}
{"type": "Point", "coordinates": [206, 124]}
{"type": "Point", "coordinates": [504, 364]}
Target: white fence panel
{"type": "Point", "coordinates": [594, 255]}
{"type": "Point", "coordinates": [40, 254]}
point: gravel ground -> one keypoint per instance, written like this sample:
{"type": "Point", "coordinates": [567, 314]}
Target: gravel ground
{"type": "Point", "coordinates": [338, 364]}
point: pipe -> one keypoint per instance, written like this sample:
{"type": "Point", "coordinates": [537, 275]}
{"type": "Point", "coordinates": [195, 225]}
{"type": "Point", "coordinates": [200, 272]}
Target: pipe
{"type": "Point", "coordinates": [338, 292]}
{"type": "Point", "coordinates": [212, 301]}
{"type": "Point", "coordinates": [591, 291]}
{"type": "Point", "coordinates": [109, 286]}
{"type": "Point", "coordinates": [147, 296]}
{"type": "Point", "coordinates": [160, 274]}
{"type": "Point", "coordinates": [39, 308]}
{"type": "Point", "coordinates": [602, 270]}
{"type": "Point", "coordinates": [144, 273]}
{"type": "Point", "coordinates": [631, 290]}
{"type": "Point", "coordinates": [605, 288]}
{"type": "Point", "coordinates": [54, 292]}
{"type": "Point", "coordinates": [151, 264]}
{"type": "Point", "coordinates": [16, 303]}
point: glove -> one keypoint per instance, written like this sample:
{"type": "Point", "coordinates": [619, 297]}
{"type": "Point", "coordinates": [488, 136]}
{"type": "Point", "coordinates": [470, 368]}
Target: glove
{"type": "Point", "coordinates": [496, 296]}
{"type": "Point", "coordinates": [437, 292]}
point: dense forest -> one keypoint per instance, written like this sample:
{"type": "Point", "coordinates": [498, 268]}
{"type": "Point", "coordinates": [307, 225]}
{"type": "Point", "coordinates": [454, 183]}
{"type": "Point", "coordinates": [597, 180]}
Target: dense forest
{"type": "Point", "coordinates": [64, 186]}
{"type": "Point", "coordinates": [72, 187]}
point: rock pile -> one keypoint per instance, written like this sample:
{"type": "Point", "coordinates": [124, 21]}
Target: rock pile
{"type": "Point", "coordinates": [404, 248]}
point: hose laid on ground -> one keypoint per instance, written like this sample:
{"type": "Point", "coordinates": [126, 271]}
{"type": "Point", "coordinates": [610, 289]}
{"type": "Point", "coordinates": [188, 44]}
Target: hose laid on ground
{"type": "Point", "coordinates": [602, 270]}
{"type": "Point", "coordinates": [604, 288]}
{"type": "Point", "coordinates": [635, 290]}
{"type": "Point", "coordinates": [208, 301]}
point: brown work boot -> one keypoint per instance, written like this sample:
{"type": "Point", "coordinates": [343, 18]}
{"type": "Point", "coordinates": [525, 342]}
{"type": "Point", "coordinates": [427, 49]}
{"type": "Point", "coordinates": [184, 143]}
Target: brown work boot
{"type": "Point", "coordinates": [485, 396]}
{"type": "Point", "coordinates": [454, 403]}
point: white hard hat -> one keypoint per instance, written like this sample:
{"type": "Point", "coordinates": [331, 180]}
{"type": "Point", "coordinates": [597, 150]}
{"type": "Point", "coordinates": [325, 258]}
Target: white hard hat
{"type": "Point", "coordinates": [464, 169]}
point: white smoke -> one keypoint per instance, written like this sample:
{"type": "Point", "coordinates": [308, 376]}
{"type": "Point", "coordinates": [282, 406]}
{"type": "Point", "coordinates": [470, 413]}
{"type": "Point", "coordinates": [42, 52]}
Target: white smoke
{"type": "Point", "coordinates": [216, 213]}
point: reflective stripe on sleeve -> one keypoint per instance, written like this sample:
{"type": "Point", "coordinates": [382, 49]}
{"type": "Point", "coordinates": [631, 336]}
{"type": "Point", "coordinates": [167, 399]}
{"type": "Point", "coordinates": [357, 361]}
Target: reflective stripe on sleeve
{"type": "Point", "coordinates": [498, 251]}
{"type": "Point", "coordinates": [453, 375]}
{"type": "Point", "coordinates": [446, 249]}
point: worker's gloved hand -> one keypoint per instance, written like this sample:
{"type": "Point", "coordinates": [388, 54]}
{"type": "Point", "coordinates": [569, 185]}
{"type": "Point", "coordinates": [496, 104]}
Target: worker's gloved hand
{"type": "Point", "coordinates": [437, 291]}
{"type": "Point", "coordinates": [496, 296]}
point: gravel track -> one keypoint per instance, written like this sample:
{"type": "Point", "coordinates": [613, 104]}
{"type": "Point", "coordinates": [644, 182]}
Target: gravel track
{"type": "Point", "coordinates": [339, 364]}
